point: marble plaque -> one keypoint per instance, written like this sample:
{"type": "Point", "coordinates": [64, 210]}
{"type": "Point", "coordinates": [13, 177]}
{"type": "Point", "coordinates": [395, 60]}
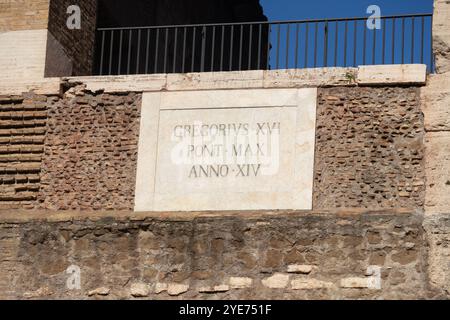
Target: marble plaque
{"type": "Point", "coordinates": [226, 150]}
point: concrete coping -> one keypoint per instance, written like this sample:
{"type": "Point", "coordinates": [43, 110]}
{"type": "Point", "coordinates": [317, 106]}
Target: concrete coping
{"type": "Point", "coordinates": [24, 216]}
{"type": "Point", "coordinates": [407, 74]}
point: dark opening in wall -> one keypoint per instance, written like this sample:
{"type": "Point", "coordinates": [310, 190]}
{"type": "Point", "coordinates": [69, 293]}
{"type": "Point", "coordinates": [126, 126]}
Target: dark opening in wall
{"type": "Point", "coordinates": [156, 50]}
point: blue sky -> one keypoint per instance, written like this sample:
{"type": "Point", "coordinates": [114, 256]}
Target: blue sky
{"type": "Point", "coordinates": [311, 9]}
{"type": "Point", "coordinates": [399, 47]}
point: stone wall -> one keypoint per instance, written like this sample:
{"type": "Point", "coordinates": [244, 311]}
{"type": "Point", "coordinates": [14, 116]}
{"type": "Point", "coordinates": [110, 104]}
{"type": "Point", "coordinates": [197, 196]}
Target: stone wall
{"type": "Point", "coordinates": [250, 256]}
{"type": "Point", "coordinates": [436, 101]}
{"type": "Point", "coordinates": [23, 14]}
{"type": "Point", "coordinates": [23, 121]}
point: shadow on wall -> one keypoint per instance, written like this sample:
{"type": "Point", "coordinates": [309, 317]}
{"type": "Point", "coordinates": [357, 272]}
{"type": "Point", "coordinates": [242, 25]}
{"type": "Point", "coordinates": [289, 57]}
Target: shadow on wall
{"type": "Point", "coordinates": [79, 52]}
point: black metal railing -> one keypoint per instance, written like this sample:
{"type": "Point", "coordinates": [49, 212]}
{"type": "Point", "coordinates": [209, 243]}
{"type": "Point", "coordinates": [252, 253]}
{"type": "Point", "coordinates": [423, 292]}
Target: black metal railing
{"type": "Point", "coordinates": [264, 45]}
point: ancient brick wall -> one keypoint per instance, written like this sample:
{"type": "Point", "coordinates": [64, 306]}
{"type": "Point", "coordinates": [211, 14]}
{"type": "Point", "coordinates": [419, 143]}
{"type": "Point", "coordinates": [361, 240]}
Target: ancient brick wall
{"type": "Point", "coordinates": [76, 44]}
{"type": "Point", "coordinates": [23, 122]}
{"type": "Point", "coordinates": [369, 148]}
{"type": "Point", "coordinates": [288, 256]}
{"type": "Point", "coordinates": [91, 152]}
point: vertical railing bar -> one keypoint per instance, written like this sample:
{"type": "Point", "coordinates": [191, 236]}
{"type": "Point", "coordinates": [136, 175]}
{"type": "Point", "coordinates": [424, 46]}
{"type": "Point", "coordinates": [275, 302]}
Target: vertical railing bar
{"type": "Point", "coordinates": [383, 57]}
{"type": "Point", "coordinates": [336, 43]}
{"type": "Point", "coordinates": [355, 39]}
{"type": "Point", "coordinates": [316, 28]}
{"type": "Point", "coordinates": [306, 44]}
{"type": "Point", "coordinates": [147, 53]}
{"type": "Point", "coordinates": [183, 62]}
{"type": "Point", "coordinates": [393, 40]}
{"type": "Point", "coordinates": [110, 52]}
{"type": "Point", "coordinates": [129, 51]}
{"type": "Point", "coordinates": [102, 51]}
{"type": "Point", "coordinates": [325, 46]}
{"type": "Point", "coordinates": [412, 39]}
{"type": "Point", "coordinates": [194, 29]}
{"type": "Point", "coordinates": [268, 47]}
{"type": "Point", "coordinates": [222, 40]}
{"type": "Point", "coordinates": [403, 40]}
{"type": "Point", "coordinates": [120, 52]}
{"type": "Point", "coordinates": [345, 43]}
{"type": "Point", "coordinates": [202, 58]}
{"type": "Point", "coordinates": [138, 51]}
{"type": "Point", "coordinates": [278, 45]}
{"type": "Point", "coordinates": [156, 51]}
{"type": "Point", "coordinates": [288, 31]}
{"type": "Point", "coordinates": [175, 47]}
{"type": "Point", "coordinates": [250, 44]}
{"type": "Point", "coordinates": [213, 47]}
{"type": "Point", "coordinates": [364, 44]}
{"type": "Point", "coordinates": [296, 44]}
{"type": "Point", "coordinates": [422, 40]}
{"type": "Point", "coordinates": [241, 35]}
{"type": "Point", "coordinates": [166, 44]}
{"type": "Point", "coordinates": [259, 46]}
{"type": "Point", "coordinates": [230, 67]}
{"type": "Point", "coordinates": [374, 45]}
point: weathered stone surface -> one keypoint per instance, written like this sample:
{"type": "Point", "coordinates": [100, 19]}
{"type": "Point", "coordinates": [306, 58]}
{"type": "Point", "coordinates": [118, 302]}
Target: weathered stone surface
{"type": "Point", "coordinates": [214, 289]}
{"type": "Point", "coordinates": [441, 35]}
{"type": "Point", "coordinates": [175, 289]}
{"type": "Point", "coordinates": [299, 268]}
{"type": "Point", "coordinates": [144, 246]}
{"type": "Point", "coordinates": [240, 282]}
{"type": "Point", "coordinates": [139, 289]}
{"type": "Point", "coordinates": [310, 284]}
{"type": "Point", "coordinates": [435, 98]}
{"type": "Point", "coordinates": [277, 281]}
{"type": "Point", "coordinates": [102, 291]}
{"type": "Point", "coordinates": [437, 164]}
{"type": "Point", "coordinates": [438, 236]}
{"type": "Point", "coordinates": [354, 282]}
{"type": "Point", "coordinates": [392, 74]}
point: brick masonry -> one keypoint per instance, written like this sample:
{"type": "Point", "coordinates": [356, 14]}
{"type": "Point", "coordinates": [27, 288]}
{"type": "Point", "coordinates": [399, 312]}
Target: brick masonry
{"type": "Point", "coordinates": [77, 45]}
{"type": "Point", "coordinates": [23, 126]}
{"type": "Point", "coordinates": [91, 152]}
{"type": "Point", "coordinates": [369, 148]}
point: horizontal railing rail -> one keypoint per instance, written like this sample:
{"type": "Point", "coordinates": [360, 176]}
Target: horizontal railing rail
{"type": "Point", "coordinates": [264, 45]}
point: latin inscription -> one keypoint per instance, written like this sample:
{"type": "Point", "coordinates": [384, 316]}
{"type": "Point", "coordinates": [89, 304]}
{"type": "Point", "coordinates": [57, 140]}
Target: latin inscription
{"type": "Point", "coordinates": [240, 149]}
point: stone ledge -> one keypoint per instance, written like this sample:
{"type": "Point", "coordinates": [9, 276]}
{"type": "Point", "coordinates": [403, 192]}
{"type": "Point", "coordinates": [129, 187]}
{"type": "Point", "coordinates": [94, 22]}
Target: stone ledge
{"type": "Point", "coordinates": [288, 78]}
{"type": "Point", "coordinates": [392, 74]}
{"type": "Point", "coordinates": [24, 216]}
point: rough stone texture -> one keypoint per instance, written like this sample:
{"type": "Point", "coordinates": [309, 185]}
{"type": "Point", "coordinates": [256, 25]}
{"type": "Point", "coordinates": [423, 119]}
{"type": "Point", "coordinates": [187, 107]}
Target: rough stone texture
{"type": "Point", "coordinates": [90, 152]}
{"type": "Point", "coordinates": [437, 165]}
{"type": "Point", "coordinates": [23, 15]}
{"type": "Point", "coordinates": [441, 35]}
{"type": "Point", "coordinates": [369, 148]}
{"type": "Point", "coordinates": [177, 257]}
{"type": "Point", "coordinates": [23, 121]}
{"type": "Point", "coordinates": [438, 235]}
{"type": "Point", "coordinates": [436, 101]}
{"type": "Point", "coordinates": [399, 73]}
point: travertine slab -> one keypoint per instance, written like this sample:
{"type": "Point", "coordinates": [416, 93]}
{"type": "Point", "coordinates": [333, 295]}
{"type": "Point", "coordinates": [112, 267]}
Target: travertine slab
{"type": "Point", "coordinates": [226, 150]}
{"type": "Point", "coordinates": [395, 73]}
